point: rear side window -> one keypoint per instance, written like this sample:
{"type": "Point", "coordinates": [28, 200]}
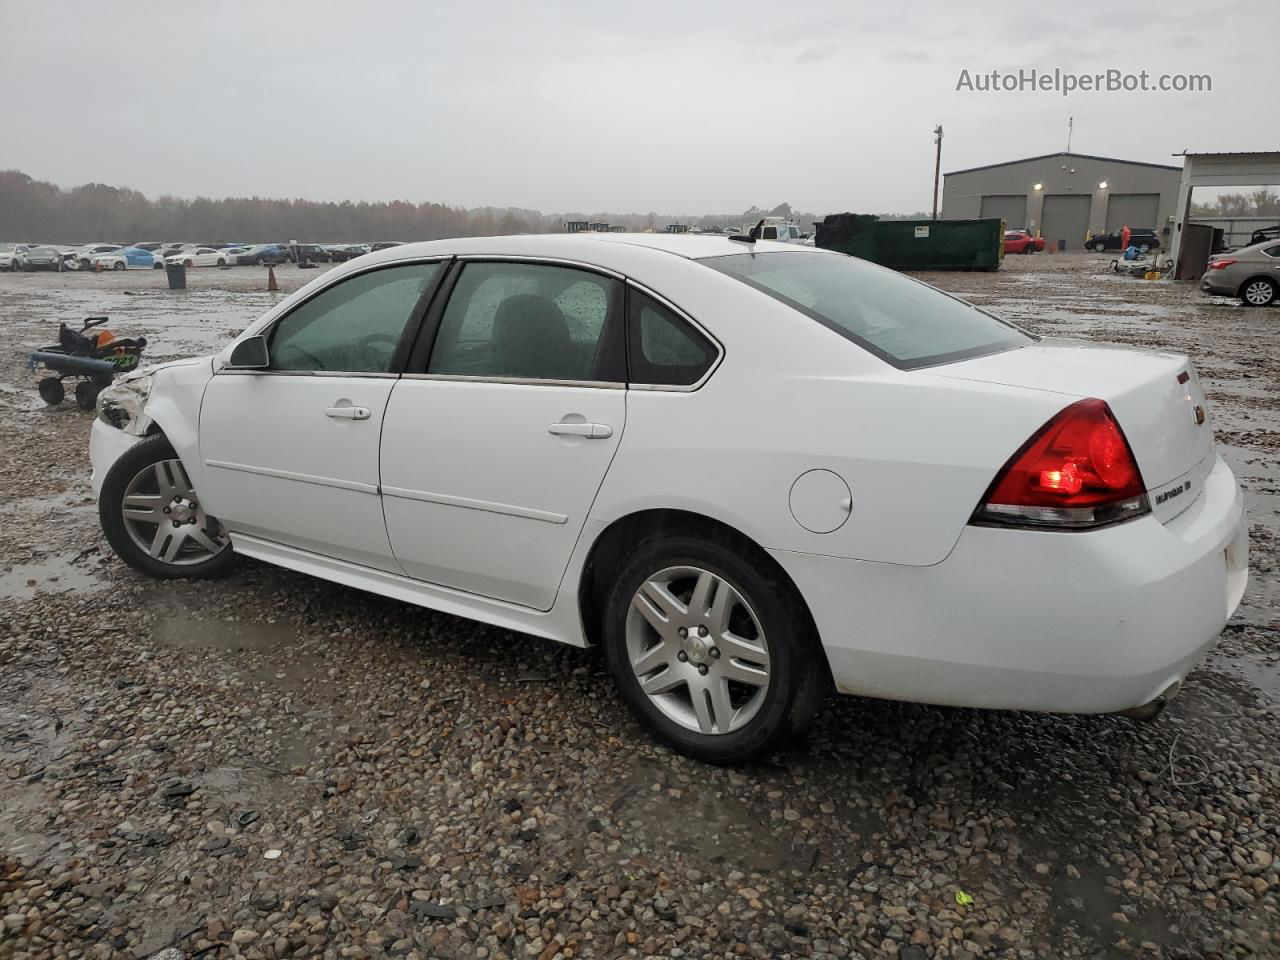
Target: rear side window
{"type": "Point", "coordinates": [531, 322]}
{"type": "Point", "coordinates": [1273, 251]}
{"type": "Point", "coordinates": [902, 321]}
{"type": "Point", "coordinates": [662, 349]}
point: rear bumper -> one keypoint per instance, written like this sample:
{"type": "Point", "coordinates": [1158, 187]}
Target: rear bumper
{"type": "Point", "coordinates": [1089, 622]}
{"type": "Point", "coordinates": [106, 445]}
{"type": "Point", "coordinates": [1216, 286]}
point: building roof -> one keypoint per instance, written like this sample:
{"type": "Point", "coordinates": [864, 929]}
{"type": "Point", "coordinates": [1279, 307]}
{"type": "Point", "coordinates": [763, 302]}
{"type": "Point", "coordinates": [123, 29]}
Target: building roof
{"type": "Point", "coordinates": [1063, 153]}
{"type": "Point", "coordinates": [1227, 153]}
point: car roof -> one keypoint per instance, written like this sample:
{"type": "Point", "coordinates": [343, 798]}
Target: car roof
{"type": "Point", "coordinates": [602, 249]}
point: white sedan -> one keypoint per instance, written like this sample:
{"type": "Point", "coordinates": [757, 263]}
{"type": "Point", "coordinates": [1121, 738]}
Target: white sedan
{"type": "Point", "coordinates": [200, 257]}
{"type": "Point", "coordinates": [750, 471]}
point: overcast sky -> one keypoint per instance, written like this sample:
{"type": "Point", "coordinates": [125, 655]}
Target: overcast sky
{"type": "Point", "coordinates": [593, 105]}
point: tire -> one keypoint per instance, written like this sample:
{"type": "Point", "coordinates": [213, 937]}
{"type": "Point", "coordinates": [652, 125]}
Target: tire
{"type": "Point", "coordinates": [222, 262]}
{"type": "Point", "coordinates": [1028, 249]}
{"type": "Point", "coordinates": [188, 264]}
{"type": "Point", "coordinates": [86, 395]}
{"type": "Point", "coordinates": [1100, 247]}
{"type": "Point", "coordinates": [773, 639]}
{"type": "Point", "coordinates": [118, 266]}
{"type": "Point", "coordinates": [157, 265]}
{"type": "Point", "coordinates": [136, 474]}
{"type": "Point", "coordinates": [1259, 292]}
{"type": "Point", "coordinates": [51, 390]}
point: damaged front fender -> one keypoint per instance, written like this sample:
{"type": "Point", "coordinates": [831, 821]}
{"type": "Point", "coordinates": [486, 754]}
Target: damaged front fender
{"type": "Point", "coordinates": [123, 404]}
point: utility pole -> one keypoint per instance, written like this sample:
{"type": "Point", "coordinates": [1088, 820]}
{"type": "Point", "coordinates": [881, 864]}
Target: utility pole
{"type": "Point", "coordinates": [937, 168]}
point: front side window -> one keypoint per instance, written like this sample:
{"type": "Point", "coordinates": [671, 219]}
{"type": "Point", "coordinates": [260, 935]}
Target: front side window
{"type": "Point", "coordinates": [353, 326]}
{"type": "Point", "coordinates": [663, 350]}
{"type": "Point", "coordinates": [529, 321]}
{"type": "Point", "coordinates": [903, 321]}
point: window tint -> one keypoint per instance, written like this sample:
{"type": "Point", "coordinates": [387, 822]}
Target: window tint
{"type": "Point", "coordinates": [662, 349]}
{"type": "Point", "coordinates": [530, 321]}
{"type": "Point", "coordinates": [1273, 251]}
{"type": "Point", "coordinates": [770, 233]}
{"type": "Point", "coordinates": [353, 327]}
{"type": "Point", "coordinates": [905, 322]}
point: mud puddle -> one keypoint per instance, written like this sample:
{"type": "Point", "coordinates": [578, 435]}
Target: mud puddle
{"type": "Point", "coordinates": [63, 573]}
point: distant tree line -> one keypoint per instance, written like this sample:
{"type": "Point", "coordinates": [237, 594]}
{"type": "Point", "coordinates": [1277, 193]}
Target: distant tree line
{"type": "Point", "coordinates": [36, 211]}
{"type": "Point", "coordinates": [1258, 203]}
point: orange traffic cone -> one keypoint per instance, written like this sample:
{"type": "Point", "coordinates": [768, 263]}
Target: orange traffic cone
{"type": "Point", "coordinates": [271, 279]}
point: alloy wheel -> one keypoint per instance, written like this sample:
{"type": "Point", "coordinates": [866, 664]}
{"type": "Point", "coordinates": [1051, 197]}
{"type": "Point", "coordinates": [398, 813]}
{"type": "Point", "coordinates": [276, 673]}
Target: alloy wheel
{"type": "Point", "coordinates": [1259, 293]}
{"type": "Point", "coordinates": [164, 517]}
{"type": "Point", "coordinates": [698, 650]}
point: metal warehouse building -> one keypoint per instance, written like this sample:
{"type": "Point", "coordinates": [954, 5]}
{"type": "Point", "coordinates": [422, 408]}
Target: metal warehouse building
{"type": "Point", "coordinates": [1065, 196]}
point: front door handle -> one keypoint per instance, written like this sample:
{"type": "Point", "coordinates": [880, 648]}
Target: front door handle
{"type": "Point", "coordinates": [591, 431]}
{"type": "Point", "coordinates": [347, 413]}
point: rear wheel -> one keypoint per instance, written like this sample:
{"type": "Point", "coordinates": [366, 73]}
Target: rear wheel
{"type": "Point", "coordinates": [86, 395]}
{"type": "Point", "coordinates": [222, 262]}
{"type": "Point", "coordinates": [716, 656]}
{"type": "Point", "coordinates": [1259, 292]}
{"type": "Point", "coordinates": [119, 265]}
{"type": "Point", "coordinates": [1100, 247]}
{"type": "Point", "coordinates": [153, 519]}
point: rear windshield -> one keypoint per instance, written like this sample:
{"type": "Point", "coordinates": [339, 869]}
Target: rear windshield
{"type": "Point", "coordinates": [902, 321]}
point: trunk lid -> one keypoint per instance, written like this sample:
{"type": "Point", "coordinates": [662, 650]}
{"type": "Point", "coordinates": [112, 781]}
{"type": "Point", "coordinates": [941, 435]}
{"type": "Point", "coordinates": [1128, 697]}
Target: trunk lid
{"type": "Point", "coordinates": [1157, 399]}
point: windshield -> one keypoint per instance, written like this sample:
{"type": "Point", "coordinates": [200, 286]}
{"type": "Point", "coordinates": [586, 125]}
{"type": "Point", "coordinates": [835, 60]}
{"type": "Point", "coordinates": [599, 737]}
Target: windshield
{"type": "Point", "coordinates": [902, 321]}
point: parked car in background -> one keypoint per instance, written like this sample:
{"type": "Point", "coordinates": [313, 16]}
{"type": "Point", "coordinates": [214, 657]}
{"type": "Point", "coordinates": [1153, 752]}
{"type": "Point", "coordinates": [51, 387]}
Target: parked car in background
{"type": "Point", "coordinates": [43, 258]}
{"type": "Point", "coordinates": [1251, 273]}
{"type": "Point", "coordinates": [1021, 241]}
{"type": "Point", "coordinates": [150, 246]}
{"type": "Point", "coordinates": [13, 255]}
{"type": "Point", "coordinates": [199, 257]}
{"type": "Point", "coordinates": [311, 251]}
{"type": "Point", "coordinates": [1041, 525]}
{"type": "Point", "coordinates": [126, 258]}
{"type": "Point", "coordinates": [1144, 240]}
{"type": "Point", "coordinates": [233, 254]}
{"type": "Point", "coordinates": [342, 252]}
{"type": "Point", "coordinates": [81, 258]}
{"type": "Point", "coordinates": [385, 245]}
{"type": "Point", "coordinates": [1265, 233]}
{"type": "Point", "coordinates": [263, 254]}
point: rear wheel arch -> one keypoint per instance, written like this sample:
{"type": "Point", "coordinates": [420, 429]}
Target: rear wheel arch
{"type": "Point", "coordinates": [618, 541]}
{"type": "Point", "coordinates": [1275, 287]}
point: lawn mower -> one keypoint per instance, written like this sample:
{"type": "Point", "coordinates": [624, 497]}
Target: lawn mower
{"type": "Point", "coordinates": [93, 358]}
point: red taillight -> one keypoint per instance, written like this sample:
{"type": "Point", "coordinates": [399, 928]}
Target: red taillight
{"type": "Point", "coordinates": [1220, 264]}
{"type": "Point", "coordinates": [1076, 471]}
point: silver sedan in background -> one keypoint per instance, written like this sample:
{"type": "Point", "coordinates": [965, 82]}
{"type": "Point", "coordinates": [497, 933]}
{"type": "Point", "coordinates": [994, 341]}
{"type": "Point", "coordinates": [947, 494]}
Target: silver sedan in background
{"type": "Point", "coordinates": [1251, 273]}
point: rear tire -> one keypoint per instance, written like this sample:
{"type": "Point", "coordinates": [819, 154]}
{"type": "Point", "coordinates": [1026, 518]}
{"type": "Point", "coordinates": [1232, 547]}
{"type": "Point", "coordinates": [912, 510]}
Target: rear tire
{"type": "Point", "coordinates": [86, 395]}
{"type": "Point", "coordinates": [141, 495]}
{"type": "Point", "coordinates": [1259, 292]}
{"type": "Point", "coordinates": [1100, 247]}
{"type": "Point", "coordinates": [748, 674]}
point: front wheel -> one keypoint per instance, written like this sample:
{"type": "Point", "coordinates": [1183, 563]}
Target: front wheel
{"type": "Point", "coordinates": [222, 262]}
{"type": "Point", "coordinates": [118, 266]}
{"type": "Point", "coordinates": [153, 519]}
{"type": "Point", "coordinates": [1259, 293]}
{"type": "Point", "coordinates": [1100, 247]}
{"type": "Point", "coordinates": [716, 655]}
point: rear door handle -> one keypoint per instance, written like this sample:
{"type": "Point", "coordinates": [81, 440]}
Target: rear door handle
{"type": "Point", "coordinates": [591, 431]}
{"type": "Point", "coordinates": [347, 413]}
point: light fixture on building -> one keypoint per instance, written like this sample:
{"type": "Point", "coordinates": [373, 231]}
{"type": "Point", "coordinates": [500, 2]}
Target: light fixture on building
{"type": "Point", "coordinates": [1102, 185]}
{"type": "Point", "coordinates": [1039, 185]}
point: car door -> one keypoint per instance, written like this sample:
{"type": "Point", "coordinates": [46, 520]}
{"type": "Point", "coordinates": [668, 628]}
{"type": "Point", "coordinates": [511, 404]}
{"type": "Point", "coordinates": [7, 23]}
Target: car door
{"type": "Point", "coordinates": [291, 451]}
{"type": "Point", "coordinates": [495, 444]}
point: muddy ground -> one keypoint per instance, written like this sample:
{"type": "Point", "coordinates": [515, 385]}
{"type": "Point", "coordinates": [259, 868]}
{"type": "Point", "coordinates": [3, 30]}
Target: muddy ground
{"type": "Point", "coordinates": [273, 766]}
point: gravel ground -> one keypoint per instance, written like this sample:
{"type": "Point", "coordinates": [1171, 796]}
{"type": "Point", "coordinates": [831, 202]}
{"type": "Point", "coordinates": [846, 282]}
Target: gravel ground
{"type": "Point", "coordinates": [274, 766]}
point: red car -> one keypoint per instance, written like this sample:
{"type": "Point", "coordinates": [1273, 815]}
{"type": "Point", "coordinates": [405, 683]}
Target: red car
{"type": "Point", "coordinates": [1019, 241]}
